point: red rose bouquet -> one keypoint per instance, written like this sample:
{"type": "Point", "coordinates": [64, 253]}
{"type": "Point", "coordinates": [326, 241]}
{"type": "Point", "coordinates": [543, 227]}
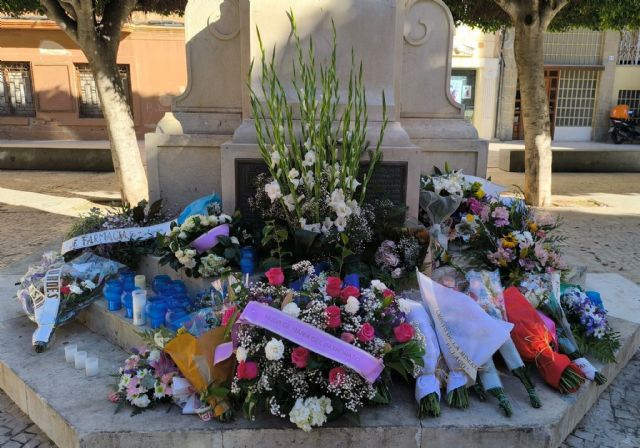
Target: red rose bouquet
{"type": "Point", "coordinates": [310, 382]}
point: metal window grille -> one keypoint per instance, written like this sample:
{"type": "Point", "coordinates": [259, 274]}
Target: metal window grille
{"type": "Point", "coordinates": [16, 90]}
{"type": "Point", "coordinates": [89, 98]}
{"type": "Point", "coordinates": [578, 47]}
{"type": "Point", "coordinates": [632, 99]}
{"type": "Point", "coordinates": [576, 98]}
{"type": "Point", "coordinates": [629, 49]}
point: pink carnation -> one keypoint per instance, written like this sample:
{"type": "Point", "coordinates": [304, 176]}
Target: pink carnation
{"type": "Point", "coordinates": [501, 216]}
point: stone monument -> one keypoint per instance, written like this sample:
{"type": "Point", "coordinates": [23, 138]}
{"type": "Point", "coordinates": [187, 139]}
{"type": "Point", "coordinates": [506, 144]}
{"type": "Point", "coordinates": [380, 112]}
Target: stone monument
{"type": "Point", "coordinates": [207, 143]}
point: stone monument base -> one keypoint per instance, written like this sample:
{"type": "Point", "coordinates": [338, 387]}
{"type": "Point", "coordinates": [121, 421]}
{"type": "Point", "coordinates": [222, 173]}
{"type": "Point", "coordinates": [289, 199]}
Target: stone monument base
{"type": "Point", "coordinates": [73, 410]}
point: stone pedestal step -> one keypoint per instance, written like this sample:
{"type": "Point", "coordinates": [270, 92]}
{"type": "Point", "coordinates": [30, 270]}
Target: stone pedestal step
{"type": "Point", "coordinates": [602, 159]}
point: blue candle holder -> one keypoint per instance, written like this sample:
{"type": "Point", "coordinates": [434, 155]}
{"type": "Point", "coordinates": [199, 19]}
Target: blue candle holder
{"type": "Point", "coordinates": [156, 310]}
{"type": "Point", "coordinates": [247, 260]}
{"type": "Point", "coordinates": [128, 280]}
{"type": "Point", "coordinates": [160, 283]}
{"type": "Point", "coordinates": [113, 294]}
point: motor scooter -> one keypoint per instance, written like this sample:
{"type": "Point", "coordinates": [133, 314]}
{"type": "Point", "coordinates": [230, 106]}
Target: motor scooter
{"type": "Point", "coordinates": [623, 127]}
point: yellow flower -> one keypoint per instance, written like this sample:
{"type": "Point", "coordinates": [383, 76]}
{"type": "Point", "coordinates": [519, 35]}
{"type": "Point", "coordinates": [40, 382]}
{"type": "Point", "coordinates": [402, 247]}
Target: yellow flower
{"type": "Point", "coordinates": [480, 193]}
{"type": "Point", "coordinates": [470, 218]}
{"type": "Point", "coordinates": [180, 331]}
{"type": "Point", "coordinates": [533, 227]}
{"type": "Point", "coordinates": [509, 241]}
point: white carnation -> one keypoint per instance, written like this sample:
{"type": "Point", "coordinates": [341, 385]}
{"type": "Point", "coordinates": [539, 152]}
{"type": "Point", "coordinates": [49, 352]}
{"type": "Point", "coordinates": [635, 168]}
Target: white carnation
{"type": "Point", "coordinates": [274, 350]}
{"type": "Point", "coordinates": [75, 289]}
{"type": "Point", "coordinates": [292, 309]}
{"type": "Point", "coordinates": [377, 285]}
{"type": "Point", "coordinates": [89, 284]}
{"type": "Point", "coordinates": [141, 401]}
{"type": "Point", "coordinates": [352, 306]}
{"type": "Point", "coordinates": [241, 354]}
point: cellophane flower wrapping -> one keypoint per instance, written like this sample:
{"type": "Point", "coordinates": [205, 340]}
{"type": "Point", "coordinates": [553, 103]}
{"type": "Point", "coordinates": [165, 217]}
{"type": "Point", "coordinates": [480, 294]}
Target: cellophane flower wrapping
{"type": "Point", "coordinates": [533, 340]}
{"type": "Point", "coordinates": [439, 208]}
{"type": "Point", "coordinates": [427, 381]}
{"type": "Point", "coordinates": [79, 283]}
{"type": "Point", "coordinates": [543, 292]}
{"type": "Point", "coordinates": [467, 335]}
{"type": "Point", "coordinates": [485, 288]}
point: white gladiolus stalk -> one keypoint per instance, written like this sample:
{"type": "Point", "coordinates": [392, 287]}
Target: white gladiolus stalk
{"type": "Point", "coordinates": [300, 161]}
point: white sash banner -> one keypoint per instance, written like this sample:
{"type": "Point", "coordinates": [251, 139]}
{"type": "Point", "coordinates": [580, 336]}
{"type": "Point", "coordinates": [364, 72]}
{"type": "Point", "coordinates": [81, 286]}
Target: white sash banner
{"type": "Point", "coordinates": [114, 236]}
{"type": "Point", "coordinates": [45, 308]}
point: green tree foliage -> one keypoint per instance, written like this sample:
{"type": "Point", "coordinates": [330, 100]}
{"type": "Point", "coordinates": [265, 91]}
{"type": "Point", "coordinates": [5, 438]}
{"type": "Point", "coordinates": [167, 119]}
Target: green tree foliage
{"type": "Point", "coordinates": [592, 14]}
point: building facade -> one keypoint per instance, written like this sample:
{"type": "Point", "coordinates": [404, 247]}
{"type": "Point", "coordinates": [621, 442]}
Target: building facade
{"type": "Point", "coordinates": [48, 92]}
{"type": "Point", "coordinates": [586, 73]}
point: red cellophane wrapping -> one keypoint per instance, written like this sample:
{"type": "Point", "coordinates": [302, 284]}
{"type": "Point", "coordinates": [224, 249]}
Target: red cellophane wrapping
{"type": "Point", "coordinates": [533, 340]}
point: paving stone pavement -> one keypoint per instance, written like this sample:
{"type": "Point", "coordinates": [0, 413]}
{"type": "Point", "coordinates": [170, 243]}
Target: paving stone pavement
{"type": "Point", "coordinates": [16, 430]}
{"type": "Point", "coordinates": [614, 422]}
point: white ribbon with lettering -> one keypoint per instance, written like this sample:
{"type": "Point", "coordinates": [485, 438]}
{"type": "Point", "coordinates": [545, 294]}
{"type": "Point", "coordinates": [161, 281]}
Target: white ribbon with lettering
{"type": "Point", "coordinates": [45, 308]}
{"type": "Point", "coordinates": [114, 236]}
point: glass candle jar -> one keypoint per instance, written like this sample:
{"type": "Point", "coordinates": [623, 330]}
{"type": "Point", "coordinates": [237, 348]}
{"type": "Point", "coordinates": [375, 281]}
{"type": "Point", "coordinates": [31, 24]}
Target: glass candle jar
{"type": "Point", "coordinates": [91, 366]}
{"type": "Point", "coordinates": [70, 352]}
{"type": "Point", "coordinates": [80, 359]}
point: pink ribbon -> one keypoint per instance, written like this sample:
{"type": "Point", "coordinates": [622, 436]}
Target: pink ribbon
{"type": "Point", "coordinates": [307, 336]}
{"type": "Point", "coordinates": [205, 242]}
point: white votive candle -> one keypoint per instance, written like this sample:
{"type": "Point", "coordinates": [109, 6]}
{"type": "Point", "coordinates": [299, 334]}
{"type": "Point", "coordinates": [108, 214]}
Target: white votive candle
{"type": "Point", "coordinates": [140, 281]}
{"type": "Point", "coordinates": [139, 301]}
{"type": "Point", "coordinates": [81, 357]}
{"type": "Point", "coordinates": [70, 352]}
{"type": "Point", "coordinates": [91, 366]}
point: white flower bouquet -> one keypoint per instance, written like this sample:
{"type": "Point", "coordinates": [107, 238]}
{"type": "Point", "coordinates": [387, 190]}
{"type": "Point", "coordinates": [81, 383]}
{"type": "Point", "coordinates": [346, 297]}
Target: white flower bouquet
{"type": "Point", "coordinates": [53, 292]}
{"type": "Point", "coordinates": [202, 245]}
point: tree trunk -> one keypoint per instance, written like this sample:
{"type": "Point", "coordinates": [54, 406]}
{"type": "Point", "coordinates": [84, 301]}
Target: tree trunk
{"type": "Point", "coordinates": [529, 54]}
{"type": "Point", "coordinates": [125, 152]}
